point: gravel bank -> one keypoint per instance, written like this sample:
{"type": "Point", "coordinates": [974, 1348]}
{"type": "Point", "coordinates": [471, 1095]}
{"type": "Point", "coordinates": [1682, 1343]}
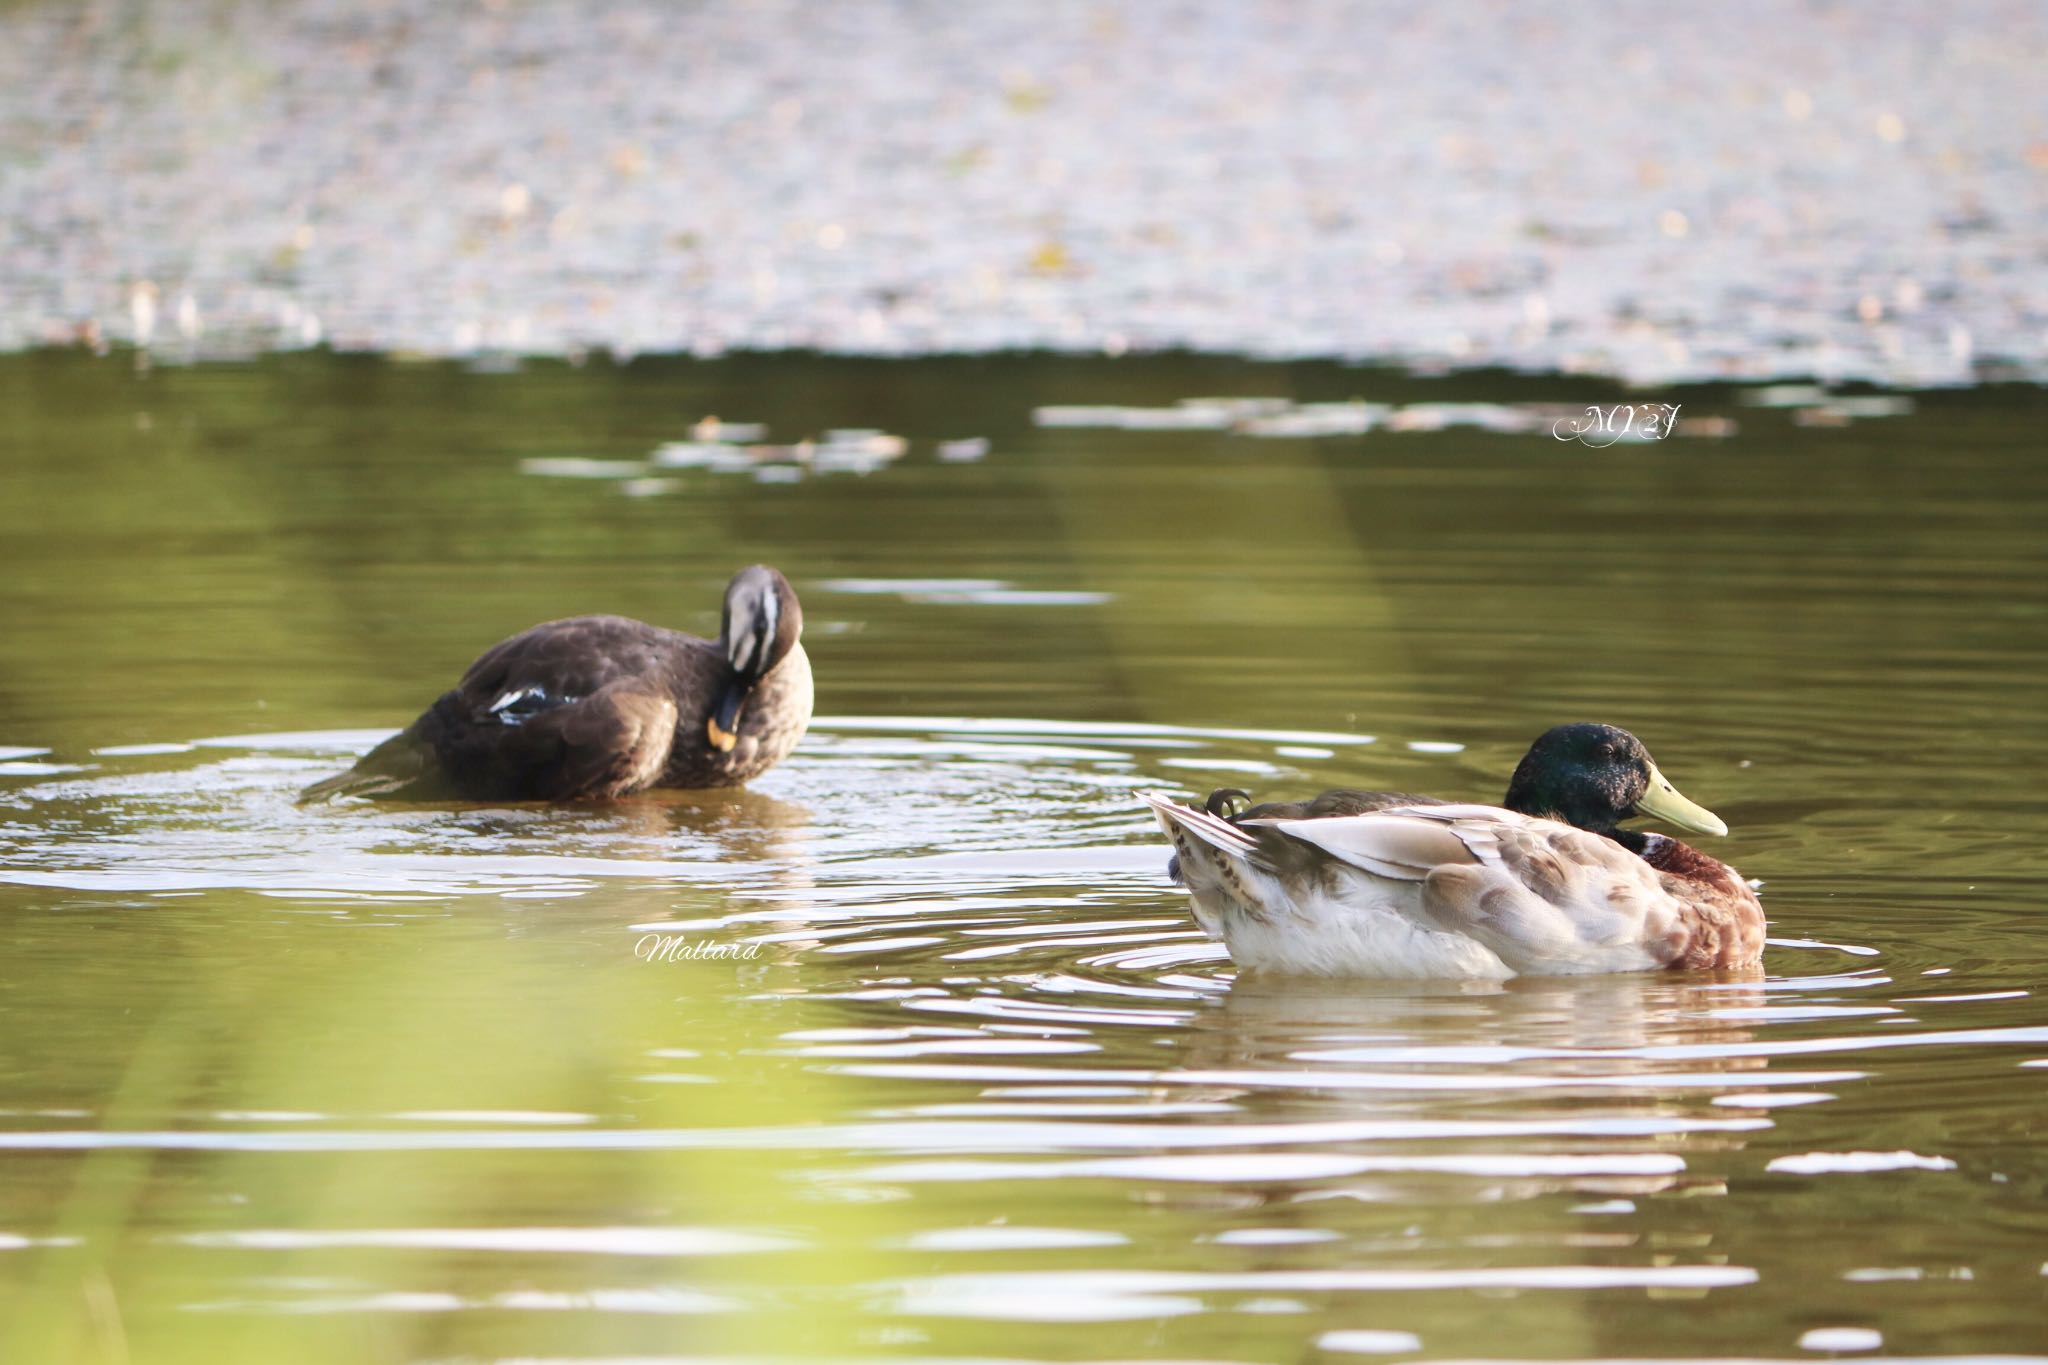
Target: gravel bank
{"type": "Point", "coordinates": [1737, 189]}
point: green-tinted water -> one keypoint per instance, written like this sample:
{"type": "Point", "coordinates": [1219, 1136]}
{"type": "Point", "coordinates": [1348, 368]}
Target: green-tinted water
{"type": "Point", "coordinates": [354, 1083]}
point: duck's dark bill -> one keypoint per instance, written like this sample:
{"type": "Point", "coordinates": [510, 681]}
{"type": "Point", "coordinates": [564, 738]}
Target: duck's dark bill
{"type": "Point", "coordinates": [1662, 802]}
{"type": "Point", "coordinates": [723, 727]}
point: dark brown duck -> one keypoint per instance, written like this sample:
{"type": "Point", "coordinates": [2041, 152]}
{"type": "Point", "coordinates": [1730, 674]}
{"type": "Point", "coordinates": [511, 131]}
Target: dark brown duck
{"type": "Point", "coordinates": [595, 707]}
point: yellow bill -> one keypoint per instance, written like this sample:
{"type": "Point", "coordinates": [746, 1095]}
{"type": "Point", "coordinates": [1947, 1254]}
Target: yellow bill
{"type": "Point", "coordinates": [1663, 802]}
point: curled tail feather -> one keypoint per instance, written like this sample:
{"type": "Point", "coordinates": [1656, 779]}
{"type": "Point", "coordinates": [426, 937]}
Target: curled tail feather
{"type": "Point", "coordinates": [1222, 866]}
{"type": "Point", "coordinates": [1211, 829]}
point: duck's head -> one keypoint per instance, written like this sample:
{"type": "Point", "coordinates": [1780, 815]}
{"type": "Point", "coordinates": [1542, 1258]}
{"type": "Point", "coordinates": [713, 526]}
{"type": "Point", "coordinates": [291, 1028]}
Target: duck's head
{"type": "Point", "coordinates": [1595, 776]}
{"type": "Point", "coordinates": [761, 625]}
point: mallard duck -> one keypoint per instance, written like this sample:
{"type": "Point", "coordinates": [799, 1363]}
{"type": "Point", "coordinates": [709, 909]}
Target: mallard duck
{"type": "Point", "coordinates": [1382, 884]}
{"type": "Point", "coordinates": [601, 706]}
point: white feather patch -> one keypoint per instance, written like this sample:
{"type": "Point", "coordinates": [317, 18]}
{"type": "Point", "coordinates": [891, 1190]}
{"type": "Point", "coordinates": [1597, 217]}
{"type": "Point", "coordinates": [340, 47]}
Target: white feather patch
{"type": "Point", "coordinates": [510, 701]}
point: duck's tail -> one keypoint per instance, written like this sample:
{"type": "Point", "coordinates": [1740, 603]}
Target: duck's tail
{"type": "Point", "coordinates": [386, 770]}
{"type": "Point", "coordinates": [1221, 865]}
{"type": "Point", "coordinates": [1179, 820]}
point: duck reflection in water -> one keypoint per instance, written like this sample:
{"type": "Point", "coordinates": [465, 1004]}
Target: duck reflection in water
{"type": "Point", "coordinates": [1597, 1086]}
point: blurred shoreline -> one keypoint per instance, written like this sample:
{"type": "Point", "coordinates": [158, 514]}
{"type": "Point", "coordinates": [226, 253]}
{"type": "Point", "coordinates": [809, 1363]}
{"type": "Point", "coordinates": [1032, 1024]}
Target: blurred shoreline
{"type": "Point", "coordinates": [1742, 191]}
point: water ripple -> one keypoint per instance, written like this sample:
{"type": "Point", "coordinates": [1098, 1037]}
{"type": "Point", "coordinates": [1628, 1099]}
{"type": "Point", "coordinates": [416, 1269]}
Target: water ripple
{"type": "Point", "coordinates": [1019, 1038]}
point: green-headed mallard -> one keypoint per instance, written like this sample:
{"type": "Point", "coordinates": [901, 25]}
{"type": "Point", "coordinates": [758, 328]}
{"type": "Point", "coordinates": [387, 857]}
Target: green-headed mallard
{"type": "Point", "coordinates": [601, 706]}
{"type": "Point", "coordinates": [1382, 884]}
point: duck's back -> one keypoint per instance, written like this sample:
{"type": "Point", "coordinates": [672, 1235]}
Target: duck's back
{"type": "Point", "coordinates": [1334, 804]}
{"type": "Point", "coordinates": [586, 706]}
{"type": "Point", "coordinates": [579, 655]}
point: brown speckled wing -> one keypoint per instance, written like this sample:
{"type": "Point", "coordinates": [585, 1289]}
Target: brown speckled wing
{"type": "Point", "coordinates": [1542, 895]}
{"type": "Point", "coordinates": [1575, 896]}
